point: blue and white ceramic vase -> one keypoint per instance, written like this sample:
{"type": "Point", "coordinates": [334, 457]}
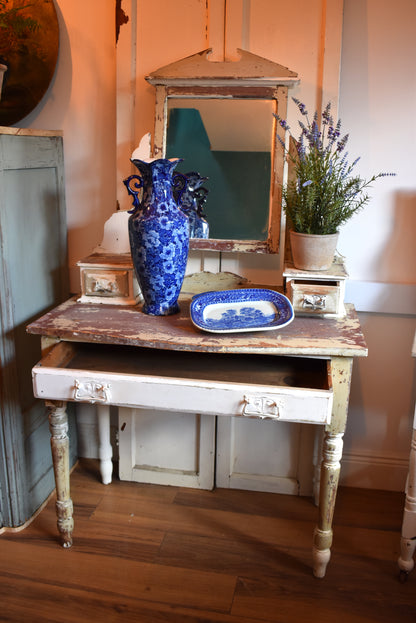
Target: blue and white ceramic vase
{"type": "Point", "coordinates": [159, 236]}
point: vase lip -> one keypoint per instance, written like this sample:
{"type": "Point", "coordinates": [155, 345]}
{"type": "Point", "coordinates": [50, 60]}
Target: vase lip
{"type": "Point", "coordinates": [147, 167]}
{"type": "Point", "coordinates": [150, 161]}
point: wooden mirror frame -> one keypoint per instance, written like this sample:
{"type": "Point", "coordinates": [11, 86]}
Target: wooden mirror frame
{"type": "Point", "coordinates": [251, 77]}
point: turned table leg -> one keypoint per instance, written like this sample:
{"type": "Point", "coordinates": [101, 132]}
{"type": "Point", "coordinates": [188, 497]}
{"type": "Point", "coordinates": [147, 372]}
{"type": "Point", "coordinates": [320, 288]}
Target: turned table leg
{"type": "Point", "coordinates": [408, 539]}
{"type": "Point", "coordinates": [105, 449]}
{"type": "Point", "coordinates": [58, 425]}
{"type": "Point", "coordinates": [317, 459]}
{"type": "Point", "coordinates": [332, 453]}
{"type": "Point", "coordinates": [341, 368]}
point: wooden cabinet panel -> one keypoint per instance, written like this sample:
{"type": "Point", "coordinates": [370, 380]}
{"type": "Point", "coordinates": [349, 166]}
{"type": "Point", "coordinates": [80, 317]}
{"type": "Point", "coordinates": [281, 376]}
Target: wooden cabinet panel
{"type": "Point", "coordinates": [33, 278]}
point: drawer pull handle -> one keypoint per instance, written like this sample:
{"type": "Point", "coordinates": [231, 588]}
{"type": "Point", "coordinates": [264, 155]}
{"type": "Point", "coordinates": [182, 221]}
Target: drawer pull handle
{"type": "Point", "coordinates": [314, 301]}
{"type": "Point", "coordinates": [261, 407]}
{"type": "Point", "coordinates": [105, 286]}
{"type": "Point", "coordinates": [91, 391]}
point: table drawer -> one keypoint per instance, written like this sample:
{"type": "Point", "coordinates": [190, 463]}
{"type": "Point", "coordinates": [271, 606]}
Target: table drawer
{"type": "Point", "coordinates": [108, 278]}
{"type": "Point", "coordinates": [316, 299]}
{"type": "Point", "coordinates": [310, 298]}
{"type": "Point", "coordinates": [262, 386]}
{"type": "Point", "coordinates": [108, 283]}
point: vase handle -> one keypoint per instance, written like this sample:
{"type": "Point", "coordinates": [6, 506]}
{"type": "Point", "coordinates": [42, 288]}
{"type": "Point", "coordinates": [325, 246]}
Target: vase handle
{"type": "Point", "coordinates": [133, 184]}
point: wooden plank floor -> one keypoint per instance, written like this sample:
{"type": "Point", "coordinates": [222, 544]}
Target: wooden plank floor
{"type": "Point", "coordinates": [152, 554]}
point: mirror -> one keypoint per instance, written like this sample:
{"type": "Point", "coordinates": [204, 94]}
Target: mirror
{"type": "Point", "coordinates": [208, 135]}
{"type": "Point", "coordinates": [218, 117]}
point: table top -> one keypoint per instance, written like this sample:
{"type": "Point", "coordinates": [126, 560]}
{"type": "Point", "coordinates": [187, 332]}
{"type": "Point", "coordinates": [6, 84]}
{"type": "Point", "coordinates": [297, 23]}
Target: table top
{"type": "Point", "coordinates": [128, 325]}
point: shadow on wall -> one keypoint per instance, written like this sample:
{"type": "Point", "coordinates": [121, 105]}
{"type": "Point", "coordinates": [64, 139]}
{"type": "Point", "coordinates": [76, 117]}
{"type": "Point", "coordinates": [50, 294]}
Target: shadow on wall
{"type": "Point", "coordinates": [398, 261]}
{"type": "Point", "coordinates": [381, 407]}
{"type": "Point", "coordinates": [57, 97]}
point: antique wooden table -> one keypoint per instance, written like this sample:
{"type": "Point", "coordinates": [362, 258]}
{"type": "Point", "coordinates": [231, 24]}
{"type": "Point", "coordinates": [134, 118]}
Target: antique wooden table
{"type": "Point", "coordinates": [115, 355]}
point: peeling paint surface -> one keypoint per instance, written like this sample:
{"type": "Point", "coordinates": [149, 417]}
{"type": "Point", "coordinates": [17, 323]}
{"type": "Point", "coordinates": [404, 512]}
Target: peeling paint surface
{"type": "Point", "coordinates": [111, 324]}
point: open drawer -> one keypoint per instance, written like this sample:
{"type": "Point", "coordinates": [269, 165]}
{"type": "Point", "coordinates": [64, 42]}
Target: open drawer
{"type": "Point", "coordinates": [292, 389]}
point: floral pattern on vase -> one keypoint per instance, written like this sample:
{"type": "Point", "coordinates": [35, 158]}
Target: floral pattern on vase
{"type": "Point", "coordinates": [159, 236]}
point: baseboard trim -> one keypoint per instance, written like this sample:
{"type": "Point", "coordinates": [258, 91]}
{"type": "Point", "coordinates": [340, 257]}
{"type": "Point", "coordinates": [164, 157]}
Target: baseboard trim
{"type": "Point", "coordinates": [374, 472]}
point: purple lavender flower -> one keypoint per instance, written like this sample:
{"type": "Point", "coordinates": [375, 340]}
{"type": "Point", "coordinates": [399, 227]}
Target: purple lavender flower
{"type": "Point", "coordinates": [301, 106]}
{"type": "Point", "coordinates": [315, 133]}
{"type": "Point", "coordinates": [283, 144]}
{"type": "Point", "coordinates": [341, 144]}
{"type": "Point", "coordinates": [282, 122]}
{"type": "Point", "coordinates": [332, 134]}
{"type": "Point", "coordinates": [323, 192]}
{"type": "Point", "coordinates": [326, 115]}
{"type": "Point", "coordinates": [301, 146]}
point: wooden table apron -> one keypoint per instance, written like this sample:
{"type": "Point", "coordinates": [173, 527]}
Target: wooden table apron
{"type": "Point", "coordinates": [335, 340]}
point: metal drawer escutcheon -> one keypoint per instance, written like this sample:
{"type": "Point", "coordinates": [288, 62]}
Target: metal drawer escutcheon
{"type": "Point", "coordinates": [314, 301]}
{"type": "Point", "coordinates": [91, 391]}
{"type": "Point", "coordinates": [261, 406]}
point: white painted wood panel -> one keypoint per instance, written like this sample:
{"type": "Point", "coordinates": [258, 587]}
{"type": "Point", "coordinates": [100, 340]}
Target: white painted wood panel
{"type": "Point", "coordinates": [268, 464]}
{"type": "Point", "coordinates": [266, 456]}
{"type": "Point", "coordinates": [167, 447]}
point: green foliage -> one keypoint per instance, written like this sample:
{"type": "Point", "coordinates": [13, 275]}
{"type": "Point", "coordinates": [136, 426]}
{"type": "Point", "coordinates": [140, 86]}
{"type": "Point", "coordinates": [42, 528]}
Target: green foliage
{"type": "Point", "coordinates": [323, 192]}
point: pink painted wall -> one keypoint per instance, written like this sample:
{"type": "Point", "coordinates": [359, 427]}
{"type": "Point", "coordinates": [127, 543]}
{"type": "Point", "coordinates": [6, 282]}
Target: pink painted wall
{"type": "Point", "coordinates": [81, 101]}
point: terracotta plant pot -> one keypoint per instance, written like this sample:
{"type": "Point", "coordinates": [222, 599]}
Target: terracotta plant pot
{"type": "Point", "coordinates": [313, 252]}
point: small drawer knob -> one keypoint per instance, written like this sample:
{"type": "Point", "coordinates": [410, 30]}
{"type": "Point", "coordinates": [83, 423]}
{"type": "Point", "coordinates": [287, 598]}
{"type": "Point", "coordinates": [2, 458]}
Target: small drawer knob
{"type": "Point", "coordinates": [314, 301]}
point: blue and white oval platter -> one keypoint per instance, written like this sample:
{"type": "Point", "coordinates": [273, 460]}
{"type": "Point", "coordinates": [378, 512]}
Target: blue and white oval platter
{"type": "Point", "coordinates": [232, 311]}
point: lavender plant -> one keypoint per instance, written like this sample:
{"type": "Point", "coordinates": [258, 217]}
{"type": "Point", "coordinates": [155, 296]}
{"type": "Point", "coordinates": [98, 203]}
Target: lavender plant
{"type": "Point", "coordinates": [323, 191]}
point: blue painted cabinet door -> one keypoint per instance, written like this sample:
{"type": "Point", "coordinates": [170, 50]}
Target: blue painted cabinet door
{"type": "Point", "coordinates": [33, 278]}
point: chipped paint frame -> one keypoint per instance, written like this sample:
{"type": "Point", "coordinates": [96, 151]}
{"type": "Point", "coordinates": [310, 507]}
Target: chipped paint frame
{"type": "Point", "coordinates": [252, 77]}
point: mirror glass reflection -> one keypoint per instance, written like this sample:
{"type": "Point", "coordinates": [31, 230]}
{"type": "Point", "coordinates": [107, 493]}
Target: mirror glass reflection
{"type": "Point", "coordinates": [230, 142]}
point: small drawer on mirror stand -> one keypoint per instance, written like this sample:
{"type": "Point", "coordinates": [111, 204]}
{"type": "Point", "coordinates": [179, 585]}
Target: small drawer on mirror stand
{"type": "Point", "coordinates": [316, 293]}
{"type": "Point", "coordinates": [315, 299]}
{"type": "Point", "coordinates": [108, 278]}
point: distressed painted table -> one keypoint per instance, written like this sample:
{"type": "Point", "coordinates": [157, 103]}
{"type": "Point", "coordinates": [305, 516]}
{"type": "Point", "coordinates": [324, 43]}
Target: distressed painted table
{"type": "Point", "coordinates": [408, 540]}
{"type": "Point", "coordinates": [119, 356]}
